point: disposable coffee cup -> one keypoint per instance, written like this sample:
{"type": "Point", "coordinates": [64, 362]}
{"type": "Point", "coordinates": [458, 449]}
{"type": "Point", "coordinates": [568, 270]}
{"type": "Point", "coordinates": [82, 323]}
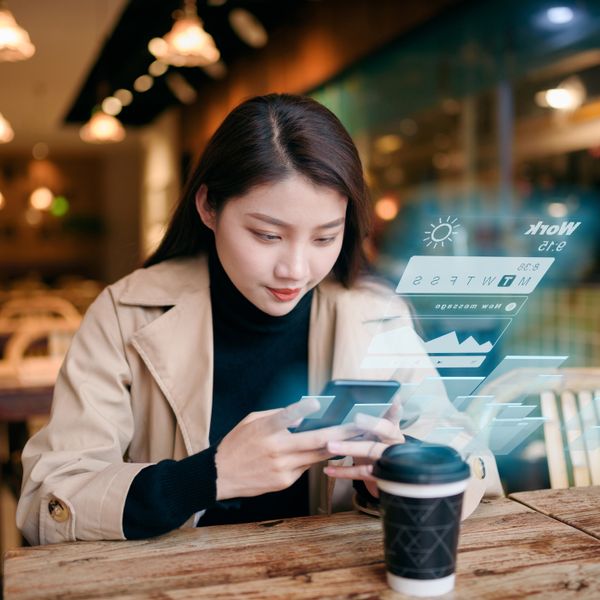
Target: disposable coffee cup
{"type": "Point", "coordinates": [421, 488]}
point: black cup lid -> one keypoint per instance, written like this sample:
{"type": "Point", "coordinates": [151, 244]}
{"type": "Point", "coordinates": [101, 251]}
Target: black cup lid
{"type": "Point", "coordinates": [421, 463]}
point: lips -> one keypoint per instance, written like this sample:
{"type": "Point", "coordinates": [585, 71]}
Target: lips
{"type": "Point", "coordinates": [284, 294]}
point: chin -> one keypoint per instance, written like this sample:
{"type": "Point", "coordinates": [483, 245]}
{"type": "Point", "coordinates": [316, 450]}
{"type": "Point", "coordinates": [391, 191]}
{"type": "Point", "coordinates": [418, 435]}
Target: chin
{"type": "Point", "coordinates": [278, 310]}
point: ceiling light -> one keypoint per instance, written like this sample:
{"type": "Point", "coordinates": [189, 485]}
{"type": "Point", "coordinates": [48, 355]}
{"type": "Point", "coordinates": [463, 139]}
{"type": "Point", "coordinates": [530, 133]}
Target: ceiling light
{"type": "Point", "coordinates": [6, 131]}
{"type": "Point", "coordinates": [559, 15]}
{"type": "Point", "coordinates": [41, 198]}
{"type": "Point", "coordinates": [14, 40]}
{"type": "Point", "coordinates": [124, 96]}
{"type": "Point", "coordinates": [143, 83]}
{"type": "Point", "coordinates": [569, 95]}
{"type": "Point", "coordinates": [111, 105]}
{"type": "Point", "coordinates": [102, 129]}
{"type": "Point", "coordinates": [248, 28]}
{"type": "Point", "coordinates": [187, 44]}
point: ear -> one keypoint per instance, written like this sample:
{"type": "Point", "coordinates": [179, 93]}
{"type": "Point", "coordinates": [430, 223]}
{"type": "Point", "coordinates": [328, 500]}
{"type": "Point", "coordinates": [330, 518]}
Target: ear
{"type": "Point", "coordinates": [207, 214]}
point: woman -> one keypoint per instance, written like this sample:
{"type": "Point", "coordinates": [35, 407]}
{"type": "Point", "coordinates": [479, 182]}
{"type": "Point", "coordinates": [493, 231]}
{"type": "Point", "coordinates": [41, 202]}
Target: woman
{"type": "Point", "coordinates": [168, 409]}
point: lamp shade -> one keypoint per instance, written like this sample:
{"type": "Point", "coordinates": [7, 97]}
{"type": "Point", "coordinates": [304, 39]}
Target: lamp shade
{"type": "Point", "coordinates": [187, 44]}
{"type": "Point", "coordinates": [14, 40]}
{"type": "Point", "coordinates": [102, 129]}
{"type": "Point", "coordinates": [6, 131]}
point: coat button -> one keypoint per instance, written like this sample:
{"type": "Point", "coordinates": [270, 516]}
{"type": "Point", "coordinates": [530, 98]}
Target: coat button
{"type": "Point", "coordinates": [477, 467]}
{"type": "Point", "coordinates": [58, 511]}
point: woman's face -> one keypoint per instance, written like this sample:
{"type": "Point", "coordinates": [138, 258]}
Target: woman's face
{"type": "Point", "coordinates": [279, 240]}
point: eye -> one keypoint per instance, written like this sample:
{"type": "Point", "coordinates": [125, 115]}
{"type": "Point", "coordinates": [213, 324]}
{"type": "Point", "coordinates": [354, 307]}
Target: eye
{"type": "Point", "coordinates": [325, 241]}
{"type": "Point", "coordinates": [266, 237]}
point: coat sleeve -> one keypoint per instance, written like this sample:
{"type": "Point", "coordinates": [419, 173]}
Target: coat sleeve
{"type": "Point", "coordinates": [75, 480]}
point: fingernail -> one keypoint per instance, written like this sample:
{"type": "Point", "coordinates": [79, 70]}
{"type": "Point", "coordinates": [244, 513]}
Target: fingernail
{"type": "Point", "coordinates": [328, 471]}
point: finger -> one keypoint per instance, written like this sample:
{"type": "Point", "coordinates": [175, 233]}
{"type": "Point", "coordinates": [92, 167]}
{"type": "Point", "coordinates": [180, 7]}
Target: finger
{"type": "Point", "coordinates": [284, 418]}
{"type": "Point", "coordinates": [394, 413]}
{"type": "Point", "coordinates": [253, 416]}
{"type": "Point", "coordinates": [382, 428]}
{"type": "Point", "coordinates": [357, 472]}
{"type": "Point", "coordinates": [307, 459]}
{"type": "Point", "coordinates": [318, 438]}
{"type": "Point", "coordinates": [358, 449]}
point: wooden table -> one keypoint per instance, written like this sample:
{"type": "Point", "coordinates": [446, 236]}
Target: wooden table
{"type": "Point", "coordinates": [21, 402]}
{"type": "Point", "coordinates": [507, 550]}
{"type": "Point", "coordinates": [579, 508]}
{"type": "Point", "coordinates": [18, 404]}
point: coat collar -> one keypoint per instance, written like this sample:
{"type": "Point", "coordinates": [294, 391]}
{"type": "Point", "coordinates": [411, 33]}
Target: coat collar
{"type": "Point", "coordinates": [166, 283]}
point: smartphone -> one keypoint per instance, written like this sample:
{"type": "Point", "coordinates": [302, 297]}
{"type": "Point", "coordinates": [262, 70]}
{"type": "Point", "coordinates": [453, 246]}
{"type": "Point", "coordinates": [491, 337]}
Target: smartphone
{"type": "Point", "coordinates": [342, 398]}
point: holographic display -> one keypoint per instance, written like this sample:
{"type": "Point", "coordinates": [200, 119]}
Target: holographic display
{"type": "Point", "coordinates": [473, 274]}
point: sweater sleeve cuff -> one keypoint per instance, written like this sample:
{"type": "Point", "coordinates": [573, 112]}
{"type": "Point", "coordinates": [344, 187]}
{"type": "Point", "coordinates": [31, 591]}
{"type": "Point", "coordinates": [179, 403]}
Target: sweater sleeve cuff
{"type": "Point", "coordinates": [163, 496]}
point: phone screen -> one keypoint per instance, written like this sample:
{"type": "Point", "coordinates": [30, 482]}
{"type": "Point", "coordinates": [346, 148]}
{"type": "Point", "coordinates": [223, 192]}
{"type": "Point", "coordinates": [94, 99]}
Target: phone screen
{"type": "Point", "coordinates": [346, 397]}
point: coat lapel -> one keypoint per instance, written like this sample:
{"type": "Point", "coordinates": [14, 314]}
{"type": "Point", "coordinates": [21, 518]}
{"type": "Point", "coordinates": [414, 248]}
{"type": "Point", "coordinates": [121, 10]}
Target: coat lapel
{"type": "Point", "coordinates": [177, 346]}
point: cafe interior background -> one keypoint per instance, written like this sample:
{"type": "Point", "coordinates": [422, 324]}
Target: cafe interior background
{"type": "Point", "coordinates": [475, 122]}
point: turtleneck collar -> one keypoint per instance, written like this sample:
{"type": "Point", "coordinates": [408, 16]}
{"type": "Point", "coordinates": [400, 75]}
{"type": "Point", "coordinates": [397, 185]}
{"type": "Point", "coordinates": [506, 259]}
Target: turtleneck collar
{"type": "Point", "coordinates": [231, 307]}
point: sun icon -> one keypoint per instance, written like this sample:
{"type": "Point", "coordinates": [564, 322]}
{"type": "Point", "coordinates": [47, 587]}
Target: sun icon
{"type": "Point", "coordinates": [441, 232]}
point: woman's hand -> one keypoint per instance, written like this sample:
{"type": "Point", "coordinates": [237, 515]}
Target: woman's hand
{"type": "Point", "coordinates": [260, 455]}
{"type": "Point", "coordinates": [379, 433]}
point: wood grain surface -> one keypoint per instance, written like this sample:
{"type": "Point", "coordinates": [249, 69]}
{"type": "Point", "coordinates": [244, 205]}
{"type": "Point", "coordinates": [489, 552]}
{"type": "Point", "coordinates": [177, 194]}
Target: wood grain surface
{"type": "Point", "coordinates": [506, 551]}
{"type": "Point", "coordinates": [578, 507]}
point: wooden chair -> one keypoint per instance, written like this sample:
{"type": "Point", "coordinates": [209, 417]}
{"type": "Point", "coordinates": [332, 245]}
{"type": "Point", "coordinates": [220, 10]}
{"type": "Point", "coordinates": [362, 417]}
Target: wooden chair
{"type": "Point", "coordinates": [40, 369]}
{"type": "Point", "coordinates": [35, 307]}
{"type": "Point", "coordinates": [569, 400]}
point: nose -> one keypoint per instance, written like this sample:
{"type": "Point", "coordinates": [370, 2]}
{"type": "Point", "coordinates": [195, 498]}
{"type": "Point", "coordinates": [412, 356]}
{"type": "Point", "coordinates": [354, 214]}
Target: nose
{"type": "Point", "coordinates": [292, 265]}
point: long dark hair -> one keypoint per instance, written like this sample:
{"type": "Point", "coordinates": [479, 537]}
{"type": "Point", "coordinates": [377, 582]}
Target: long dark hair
{"type": "Point", "coordinates": [264, 140]}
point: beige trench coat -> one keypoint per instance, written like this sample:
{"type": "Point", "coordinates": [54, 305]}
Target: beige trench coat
{"type": "Point", "coordinates": [136, 388]}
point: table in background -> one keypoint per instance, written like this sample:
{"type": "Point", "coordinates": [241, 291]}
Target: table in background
{"type": "Point", "coordinates": [18, 405]}
{"type": "Point", "coordinates": [579, 508]}
{"type": "Point", "coordinates": [506, 550]}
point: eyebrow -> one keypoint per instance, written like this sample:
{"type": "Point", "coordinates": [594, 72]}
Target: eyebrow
{"type": "Point", "coordinates": [273, 221]}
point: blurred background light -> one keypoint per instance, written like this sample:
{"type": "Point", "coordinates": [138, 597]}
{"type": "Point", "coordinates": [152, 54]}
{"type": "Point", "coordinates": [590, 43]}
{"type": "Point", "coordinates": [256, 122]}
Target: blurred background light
{"type": "Point", "coordinates": [102, 129]}
{"type": "Point", "coordinates": [33, 216]}
{"type": "Point", "coordinates": [6, 131]}
{"type": "Point", "coordinates": [569, 95]}
{"type": "Point", "coordinates": [60, 206]}
{"type": "Point", "coordinates": [557, 210]}
{"type": "Point", "coordinates": [158, 68]}
{"type": "Point", "coordinates": [248, 28]}
{"type": "Point", "coordinates": [2, 201]}
{"type": "Point", "coordinates": [15, 43]}
{"type": "Point", "coordinates": [386, 208]}
{"type": "Point", "coordinates": [40, 151]}
{"type": "Point", "coordinates": [180, 88]}
{"type": "Point", "coordinates": [386, 144]}
{"type": "Point", "coordinates": [143, 83]}
{"type": "Point", "coordinates": [559, 15]}
{"type": "Point", "coordinates": [112, 106]}
{"type": "Point", "coordinates": [187, 44]}
{"type": "Point", "coordinates": [41, 198]}
{"type": "Point", "coordinates": [123, 96]}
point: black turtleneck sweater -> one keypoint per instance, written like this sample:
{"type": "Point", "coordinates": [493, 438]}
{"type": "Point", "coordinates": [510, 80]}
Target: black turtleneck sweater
{"type": "Point", "coordinates": [260, 362]}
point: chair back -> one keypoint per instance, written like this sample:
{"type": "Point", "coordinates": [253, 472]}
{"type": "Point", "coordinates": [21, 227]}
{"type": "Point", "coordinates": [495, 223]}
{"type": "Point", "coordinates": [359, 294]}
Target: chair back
{"type": "Point", "coordinates": [569, 402]}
